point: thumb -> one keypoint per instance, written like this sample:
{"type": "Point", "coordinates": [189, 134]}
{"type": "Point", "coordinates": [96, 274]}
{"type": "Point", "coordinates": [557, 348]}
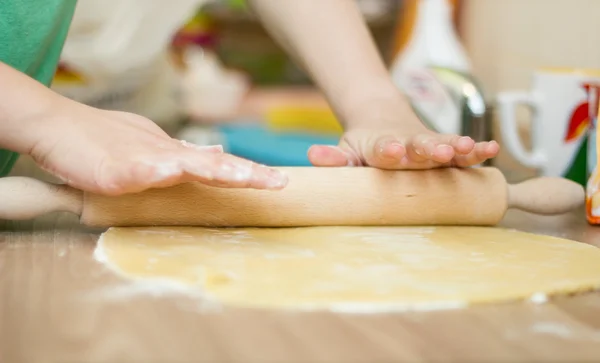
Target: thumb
{"type": "Point", "coordinates": [328, 155]}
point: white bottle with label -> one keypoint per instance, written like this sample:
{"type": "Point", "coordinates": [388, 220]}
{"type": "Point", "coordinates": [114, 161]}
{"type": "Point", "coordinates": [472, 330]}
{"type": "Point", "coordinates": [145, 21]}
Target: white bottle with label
{"type": "Point", "coordinates": [434, 43]}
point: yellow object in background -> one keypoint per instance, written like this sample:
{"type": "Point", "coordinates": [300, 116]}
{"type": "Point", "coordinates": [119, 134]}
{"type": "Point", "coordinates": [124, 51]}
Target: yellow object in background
{"type": "Point", "coordinates": [308, 119]}
{"type": "Point", "coordinates": [64, 75]}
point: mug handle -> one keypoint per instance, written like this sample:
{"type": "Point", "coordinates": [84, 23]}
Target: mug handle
{"type": "Point", "coordinates": [507, 102]}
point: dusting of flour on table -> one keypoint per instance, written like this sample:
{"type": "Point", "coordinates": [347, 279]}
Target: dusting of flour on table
{"type": "Point", "coordinates": [539, 298]}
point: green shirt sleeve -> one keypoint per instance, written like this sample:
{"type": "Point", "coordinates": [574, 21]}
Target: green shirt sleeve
{"type": "Point", "coordinates": [32, 35]}
{"type": "Point", "coordinates": [7, 161]}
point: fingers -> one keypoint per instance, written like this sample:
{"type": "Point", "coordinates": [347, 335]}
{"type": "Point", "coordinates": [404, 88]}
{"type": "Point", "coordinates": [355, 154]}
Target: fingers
{"type": "Point", "coordinates": [428, 150]}
{"type": "Point", "coordinates": [386, 153]}
{"type": "Point", "coordinates": [210, 165]}
{"type": "Point", "coordinates": [437, 147]}
{"type": "Point", "coordinates": [326, 155]}
{"type": "Point", "coordinates": [217, 149]}
{"type": "Point", "coordinates": [209, 148]}
{"type": "Point", "coordinates": [187, 164]}
{"type": "Point", "coordinates": [225, 170]}
{"type": "Point", "coordinates": [421, 151]}
{"type": "Point", "coordinates": [480, 153]}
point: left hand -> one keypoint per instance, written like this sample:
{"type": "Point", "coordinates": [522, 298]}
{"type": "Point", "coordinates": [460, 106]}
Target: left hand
{"type": "Point", "coordinates": [401, 142]}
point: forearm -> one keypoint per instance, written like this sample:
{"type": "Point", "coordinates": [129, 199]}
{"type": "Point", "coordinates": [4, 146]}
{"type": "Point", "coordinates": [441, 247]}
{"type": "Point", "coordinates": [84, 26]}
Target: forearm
{"type": "Point", "coordinates": [22, 103]}
{"type": "Point", "coordinates": [330, 40]}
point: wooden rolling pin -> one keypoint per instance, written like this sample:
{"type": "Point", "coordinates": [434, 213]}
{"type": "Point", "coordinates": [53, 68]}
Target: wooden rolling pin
{"type": "Point", "coordinates": [313, 197]}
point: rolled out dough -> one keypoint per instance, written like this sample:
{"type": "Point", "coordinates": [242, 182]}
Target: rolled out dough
{"type": "Point", "coordinates": [353, 268]}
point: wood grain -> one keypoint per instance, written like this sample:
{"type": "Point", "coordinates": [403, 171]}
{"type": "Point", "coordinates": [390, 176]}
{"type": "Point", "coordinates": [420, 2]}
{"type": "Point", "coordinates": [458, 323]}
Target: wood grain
{"type": "Point", "coordinates": [386, 197]}
{"type": "Point", "coordinates": [60, 305]}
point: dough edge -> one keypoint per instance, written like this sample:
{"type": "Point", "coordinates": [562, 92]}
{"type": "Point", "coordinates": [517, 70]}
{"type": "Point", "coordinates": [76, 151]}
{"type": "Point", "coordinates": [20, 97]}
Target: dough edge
{"type": "Point", "coordinates": [169, 287]}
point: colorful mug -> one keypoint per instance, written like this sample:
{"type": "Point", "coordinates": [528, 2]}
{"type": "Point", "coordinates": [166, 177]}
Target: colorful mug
{"type": "Point", "coordinates": [561, 119]}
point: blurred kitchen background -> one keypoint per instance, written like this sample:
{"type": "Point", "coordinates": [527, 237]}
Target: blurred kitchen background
{"type": "Point", "coordinates": [207, 71]}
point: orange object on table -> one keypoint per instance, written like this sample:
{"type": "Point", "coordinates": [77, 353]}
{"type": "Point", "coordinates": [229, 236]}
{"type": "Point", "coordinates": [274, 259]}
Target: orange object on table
{"type": "Point", "coordinates": [592, 198]}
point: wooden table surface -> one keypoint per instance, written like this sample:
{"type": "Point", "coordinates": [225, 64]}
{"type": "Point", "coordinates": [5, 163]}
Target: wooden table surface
{"type": "Point", "coordinates": [59, 305]}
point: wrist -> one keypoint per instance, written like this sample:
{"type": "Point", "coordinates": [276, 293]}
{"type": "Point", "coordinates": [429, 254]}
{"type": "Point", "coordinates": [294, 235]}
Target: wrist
{"type": "Point", "coordinates": [33, 125]}
{"type": "Point", "coordinates": [25, 105]}
{"type": "Point", "coordinates": [381, 104]}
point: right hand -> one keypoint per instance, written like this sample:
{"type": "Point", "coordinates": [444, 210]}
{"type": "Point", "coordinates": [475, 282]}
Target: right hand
{"type": "Point", "coordinates": [113, 153]}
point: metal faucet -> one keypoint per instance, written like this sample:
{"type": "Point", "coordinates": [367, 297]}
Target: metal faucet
{"type": "Point", "coordinates": [475, 115]}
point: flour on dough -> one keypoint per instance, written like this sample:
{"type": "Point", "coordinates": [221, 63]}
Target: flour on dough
{"type": "Point", "coordinates": [353, 269]}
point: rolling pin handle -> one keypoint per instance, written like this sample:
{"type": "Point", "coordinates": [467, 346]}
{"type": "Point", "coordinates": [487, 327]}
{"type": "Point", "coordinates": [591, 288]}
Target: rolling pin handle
{"type": "Point", "coordinates": [23, 198]}
{"type": "Point", "coordinates": [546, 196]}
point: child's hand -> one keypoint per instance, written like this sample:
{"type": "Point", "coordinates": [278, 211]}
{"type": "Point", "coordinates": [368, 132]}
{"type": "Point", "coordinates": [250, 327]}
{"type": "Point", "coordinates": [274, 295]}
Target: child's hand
{"type": "Point", "coordinates": [113, 153]}
{"type": "Point", "coordinates": [395, 149]}
{"type": "Point", "coordinates": [401, 142]}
